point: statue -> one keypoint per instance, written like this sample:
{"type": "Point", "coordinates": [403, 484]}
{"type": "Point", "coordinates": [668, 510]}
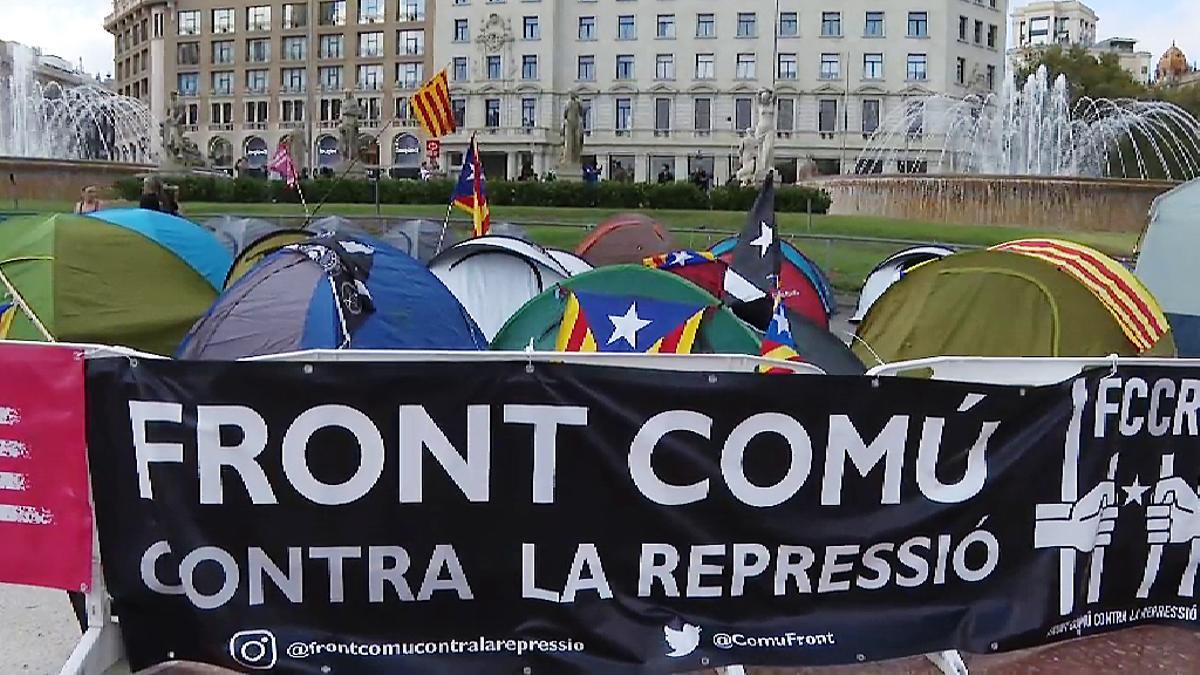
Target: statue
{"type": "Point", "coordinates": [348, 138]}
{"type": "Point", "coordinates": [178, 150]}
{"type": "Point", "coordinates": [748, 152]}
{"type": "Point", "coordinates": [571, 161]}
{"type": "Point", "coordinates": [766, 134]}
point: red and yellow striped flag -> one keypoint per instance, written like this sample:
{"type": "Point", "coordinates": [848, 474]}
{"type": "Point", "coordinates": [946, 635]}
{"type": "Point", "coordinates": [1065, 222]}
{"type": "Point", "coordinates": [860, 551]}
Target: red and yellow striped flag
{"type": "Point", "coordinates": [431, 105]}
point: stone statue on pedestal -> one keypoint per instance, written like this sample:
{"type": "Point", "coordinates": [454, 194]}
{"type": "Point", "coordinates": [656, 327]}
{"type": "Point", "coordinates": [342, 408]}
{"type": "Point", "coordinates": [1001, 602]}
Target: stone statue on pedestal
{"type": "Point", "coordinates": [765, 134]}
{"type": "Point", "coordinates": [571, 162]}
{"type": "Point", "coordinates": [748, 153]}
{"type": "Point", "coordinates": [348, 138]}
{"type": "Point", "coordinates": [179, 152]}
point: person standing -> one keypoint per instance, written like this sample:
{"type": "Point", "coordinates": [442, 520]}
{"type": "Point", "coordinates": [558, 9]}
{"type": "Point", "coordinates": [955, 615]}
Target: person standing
{"type": "Point", "coordinates": [88, 202]}
{"type": "Point", "coordinates": [151, 194]}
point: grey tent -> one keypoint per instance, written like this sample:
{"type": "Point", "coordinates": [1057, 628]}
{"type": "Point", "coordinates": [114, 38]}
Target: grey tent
{"type": "Point", "coordinates": [1166, 262]}
{"type": "Point", "coordinates": [419, 238]}
{"type": "Point", "coordinates": [335, 225]}
{"type": "Point", "coordinates": [510, 230]}
{"type": "Point", "coordinates": [236, 233]}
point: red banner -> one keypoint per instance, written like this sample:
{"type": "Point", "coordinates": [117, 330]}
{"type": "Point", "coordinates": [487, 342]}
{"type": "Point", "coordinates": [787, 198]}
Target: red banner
{"type": "Point", "coordinates": [45, 515]}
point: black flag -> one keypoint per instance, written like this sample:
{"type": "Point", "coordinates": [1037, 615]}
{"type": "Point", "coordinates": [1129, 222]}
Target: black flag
{"type": "Point", "coordinates": [757, 255]}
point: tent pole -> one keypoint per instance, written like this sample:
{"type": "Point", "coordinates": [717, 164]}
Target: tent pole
{"type": "Point", "coordinates": [20, 300]}
{"type": "Point", "coordinates": [445, 224]}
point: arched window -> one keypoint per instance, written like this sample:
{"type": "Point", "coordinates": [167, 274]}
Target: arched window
{"type": "Point", "coordinates": [406, 152]}
{"type": "Point", "coordinates": [220, 151]}
{"type": "Point", "coordinates": [327, 152]}
{"type": "Point", "coordinates": [256, 152]}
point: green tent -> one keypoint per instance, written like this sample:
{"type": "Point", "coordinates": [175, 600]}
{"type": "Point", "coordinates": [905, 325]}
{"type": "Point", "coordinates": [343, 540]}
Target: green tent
{"type": "Point", "coordinates": [1033, 298]}
{"type": "Point", "coordinates": [720, 333]}
{"type": "Point", "coordinates": [87, 280]}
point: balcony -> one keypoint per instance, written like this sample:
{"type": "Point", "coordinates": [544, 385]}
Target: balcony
{"type": "Point", "coordinates": [189, 128]}
{"type": "Point", "coordinates": [294, 89]}
{"type": "Point", "coordinates": [405, 123]}
{"type": "Point", "coordinates": [220, 127]}
{"type": "Point", "coordinates": [258, 26]}
{"type": "Point", "coordinates": [410, 17]}
{"type": "Point", "coordinates": [411, 50]}
{"type": "Point", "coordinates": [371, 124]}
{"type": "Point", "coordinates": [292, 124]}
{"type": "Point", "coordinates": [256, 89]}
{"type": "Point", "coordinates": [255, 126]}
{"type": "Point", "coordinates": [329, 87]}
{"type": "Point", "coordinates": [327, 124]}
{"type": "Point", "coordinates": [368, 86]}
{"type": "Point", "coordinates": [371, 18]}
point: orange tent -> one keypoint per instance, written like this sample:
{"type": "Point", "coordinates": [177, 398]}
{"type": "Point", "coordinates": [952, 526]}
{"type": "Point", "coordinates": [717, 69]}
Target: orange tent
{"type": "Point", "coordinates": [625, 238]}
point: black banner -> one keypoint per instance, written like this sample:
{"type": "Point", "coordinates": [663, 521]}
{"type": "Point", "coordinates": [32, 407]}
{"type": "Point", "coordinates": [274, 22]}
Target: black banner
{"type": "Point", "coordinates": [479, 517]}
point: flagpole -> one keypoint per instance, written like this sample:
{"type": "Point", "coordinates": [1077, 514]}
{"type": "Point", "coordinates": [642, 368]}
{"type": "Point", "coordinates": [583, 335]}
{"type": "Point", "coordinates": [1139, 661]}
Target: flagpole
{"type": "Point", "coordinates": [450, 207]}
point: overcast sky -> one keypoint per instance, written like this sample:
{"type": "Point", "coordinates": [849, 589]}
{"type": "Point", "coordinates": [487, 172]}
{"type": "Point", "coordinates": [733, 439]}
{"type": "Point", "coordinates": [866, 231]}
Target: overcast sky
{"type": "Point", "coordinates": [73, 29]}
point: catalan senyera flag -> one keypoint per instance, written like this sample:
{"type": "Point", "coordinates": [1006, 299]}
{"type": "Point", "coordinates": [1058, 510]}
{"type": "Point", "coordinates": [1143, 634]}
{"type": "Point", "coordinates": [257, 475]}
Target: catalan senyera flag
{"type": "Point", "coordinates": [593, 322]}
{"type": "Point", "coordinates": [431, 105]}
{"type": "Point", "coordinates": [1122, 294]}
{"type": "Point", "coordinates": [8, 312]}
{"type": "Point", "coordinates": [470, 194]}
{"type": "Point", "coordinates": [779, 343]}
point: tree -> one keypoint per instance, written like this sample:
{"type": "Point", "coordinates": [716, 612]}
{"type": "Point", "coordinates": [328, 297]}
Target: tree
{"type": "Point", "coordinates": [1088, 75]}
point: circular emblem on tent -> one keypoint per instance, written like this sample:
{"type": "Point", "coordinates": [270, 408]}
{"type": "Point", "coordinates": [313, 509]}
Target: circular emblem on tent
{"type": "Point", "coordinates": [350, 299]}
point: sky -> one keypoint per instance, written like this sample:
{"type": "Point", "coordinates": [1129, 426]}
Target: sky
{"type": "Point", "coordinates": [73, 29]}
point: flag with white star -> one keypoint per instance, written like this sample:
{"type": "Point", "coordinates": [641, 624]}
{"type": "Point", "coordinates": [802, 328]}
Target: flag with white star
{"type": "Point", "coordinates": [594, 322]}
{"type": "Point", "coordinates": [779, 343]}
{"type": "Point", "coordinates": [758, 253]}
{"type": "Point", "coordinates": [678, 259]}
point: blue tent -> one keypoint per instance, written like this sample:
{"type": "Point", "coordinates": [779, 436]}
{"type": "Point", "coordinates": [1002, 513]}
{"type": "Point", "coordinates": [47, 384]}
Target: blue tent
{"type": "Point", "coordinates": [384, 300]}
{"type": "Point", "coordinates": [192, 243]}
{"type": "Point", "coordinates": [793, 255]}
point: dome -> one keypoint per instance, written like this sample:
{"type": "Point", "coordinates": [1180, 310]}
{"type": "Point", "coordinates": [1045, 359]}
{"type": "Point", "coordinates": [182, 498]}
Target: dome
{"type": "Point", "coordinates": [1173, 63]}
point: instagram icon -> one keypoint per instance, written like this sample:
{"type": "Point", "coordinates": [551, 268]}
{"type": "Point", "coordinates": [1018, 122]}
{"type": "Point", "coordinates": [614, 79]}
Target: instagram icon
{"type": "Point", "coordinates": [254, 649]}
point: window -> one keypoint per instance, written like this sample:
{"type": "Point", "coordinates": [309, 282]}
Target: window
{"type": "Point", "coordinates": [960, 70]}
{"type": "Point", "coordinates": [256, 81]}
{"type": "Point", "coordinates": [189, 22]}
{"type": "Point", "coordinates": [410, 42]}
{"type": "Point", "coordinates": [662, 115]}
{"type": "Point", "coordinates": [916, 117]}
{"type": "Point", "coordinates": [789, 24]}
{"type": "Point", "coordinates": [870, 116]}
{"type": "Point", "coordinates": [587, 28]}
{"type": "Point", "coordinates": [293, 111]}
{"type": "Point", "coordinates": [787, 67]}
{"type": "Point", "coordinates": [991, 78]}
{"type": "Point", "coordinates": [258, 51]}
{"type": "Point", "coordinates": [410, 75]}
{"type": "Point", "coordinates": [330, 77]}
{"type": "Point", "coordinates": [222, 51]}
{"type": "Point", "coordinates": [587, 115]}
{"type": "Point", "coordinates": [458, 108]}
{"type": "Point", "coordinates": [831, 24]}
{"type": "Point", "coordinates": [221, 113]}
{"type": "Point", "coordinates": [626, 28]}
{"type": "Point", "coordinates": [743, 113]}
{"type": "Point", "coordinates": [586, 70]}
{"type": "Point", "coordinates": [664, 67]}
{"type": "Point", "coordinates": [370, 45]}
{"type": "Point", "coordinates": [785, 114]}
{"type": "Point", "coordinates": [665, 27]}
{"type": "Point", "coordinates": [412, 10]}
{"type": "Point", "coordinates": [331, 47]}
{"type": "Point", "coordinates": [827, 115]}
{"type": "Point", "coordinates": [459, 70]}
{"type": "Point", "coordinates": [918, 24]}
{"type": "Point", "coordinates": [295, 15]}
{"type": "Point", "coordinates": [702, 117]}
{"type": "Point", "coordinates": [295, 48]}
{"type": "Point", "coordinates": [624, 67]}
{"type": "Point", "coordinates": [222, 20]}
{"type": "Point", "coordinates": [222, 83]}
{"type": "Point", "coordinates": [294, 80]}
{"type": "Point", "coordinates": [493, 67]}
{"type": "Point", "coordinates": [705, 68]}
{"type": "Point", "coordinates": [370, 107]}
{"type": "Point", "coordinates": [188, 84]}
{"type": "Point", "coordinates": [491, 109]}
{"type": "Point", "coordinates": [370, 76]}
{"type": "Point", "coordinates": [746, 67]}
{"type": "Point", "coordinates": [831, 66]}
{"type": "Point", "coordinates": [872, 66]}
{"type": "Point", "coordinates": [529, 67]}
{"type": "Point", "coordinates": [624, 115]}
{"type": "Point", "coordinates": [918, 67]}
{"type": "Point", "coordinates": [874, 25]}
{"type": "Point", "coordinates": [332, 13]}
{"type": "Point", "coordinates": [706, 26]}
{"type": "Point", "coordinates": [993, 30]}
{"type": "Point", "coordinates": [528, 113]}
{"type": "Point", "coordinates": [978, 32]}
{"type": "Point", "coordinates": [747, 24]}
{"type": "Point", "coordinates": [963, 23]}
{"type": "Point", "coordinates": [370, 11]}
{"type": "Point", "coordinates": [331, 109]}
{"type": "Point", "coordinates": [158, 24]}
{"type": "Point", "coordinates": [187, 54]}
{"type": "Point", "coordinates": [461, 32]}
{"type": "Point", "coordinates": [256, 112]}
{"type": "Point", "coordinates": [532, 30]}
{"type": "Point", "coordinates": [258, 18]}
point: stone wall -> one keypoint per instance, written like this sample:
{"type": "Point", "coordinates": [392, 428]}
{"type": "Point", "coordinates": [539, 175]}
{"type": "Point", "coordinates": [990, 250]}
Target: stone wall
{"type": "Point", "coordinates": [52, 179]}
{"type": "Point", "coordinates": [1050, 203]}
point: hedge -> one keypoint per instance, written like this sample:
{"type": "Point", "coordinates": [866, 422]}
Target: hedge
{"type": "Point", "coordinates": [607, 194]}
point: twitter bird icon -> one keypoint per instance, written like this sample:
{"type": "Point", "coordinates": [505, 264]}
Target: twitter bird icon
{"type": "Point", "coordinates": [682, 642]}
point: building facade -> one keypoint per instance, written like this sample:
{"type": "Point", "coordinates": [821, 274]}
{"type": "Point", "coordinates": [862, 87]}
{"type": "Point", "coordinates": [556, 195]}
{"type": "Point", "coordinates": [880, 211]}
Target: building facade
{"type": "Point", "coordinates": [1058, 22]}
{"type": "Point", "coordinates": [671, 87]}
{"type": "Point", "coordinates": [1174, 69]}
{"type": "Point", "coordinates": [47, 69]}
{"type": "Point", "coordinates": [252, 73]}
{"type": "Point", "coordinates": [1135, 62]}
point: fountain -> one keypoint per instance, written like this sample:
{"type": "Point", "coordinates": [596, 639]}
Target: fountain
{"type": "Point", "coordinates": [1024, 155]}
{"type": "Point", "coordinates": [55, 138]}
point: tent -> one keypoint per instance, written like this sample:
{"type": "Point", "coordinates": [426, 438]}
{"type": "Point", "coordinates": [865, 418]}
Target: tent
{"type": "Point", "coordinates": [419, 238]}
{"type": "Point", "coordinates": [822, 348]}
{"type": "Point", "coordinates": [89, 280]}
{"type": "Point", "coordinates": [493, 276]}
{"type": "Point", "coordinates": [236, 233]}
{"type": "Point", "coordinates": [570, 262]}
{"type": "Point", "coordinates": [539, 320]}
{"type": "Point", "coordinates": [192, 243]}
{"type": "Point", "coordinates": [806, 289]}
{"type": "Point", "coordinates": [287, 303]}
{"type": "Point", "coordinates": [335, 225]}
{"type": "Point", "coordinates": [513, 230]}
{"type": "Point", "coordinates": [892, 270]}
{"type": "Point", "coordinates": [1026, 298]}
{"type": "Point", "coordinates": [625, 238]}
{"type": "Point", "coordinates": [254, 252]}
{"type": "Point", "coordinates": [1166, 262]}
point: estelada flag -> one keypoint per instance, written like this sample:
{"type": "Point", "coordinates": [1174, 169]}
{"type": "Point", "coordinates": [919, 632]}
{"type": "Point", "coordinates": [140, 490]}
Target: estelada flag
{"type": "Point", "coordinates": [607, 323]}
{"type": "Point", "coordinates": [431, 105]}
{"type": "Point", "coordinates": [677, 259]}
{"type": "Point", "coordinates": [779, 343]}
{"type": "Point", "coordinates": [470, 194]}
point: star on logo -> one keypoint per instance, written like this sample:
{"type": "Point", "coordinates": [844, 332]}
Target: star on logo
{"type": "Point", "coordinates": [680, 258]}
{"type": "Point", "coordinates": [782, 325]}
{"type": "Point", "coordinates": [1135, 492]}
{"type": "Point", "coordinates": [626, 327]}
{"type": "Point", "coordinates": [765, 238]}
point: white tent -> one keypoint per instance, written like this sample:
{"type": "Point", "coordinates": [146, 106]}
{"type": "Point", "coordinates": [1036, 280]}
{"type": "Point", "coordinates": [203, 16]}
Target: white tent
{"type": "Point", "coordinates": [569, 261]}
{"type": "Point", "coordinates": [1167, 262]}
{"type": "Point", "coordinates": [494, 276]}
{"type": "Point", "coordinates": [892, 270]}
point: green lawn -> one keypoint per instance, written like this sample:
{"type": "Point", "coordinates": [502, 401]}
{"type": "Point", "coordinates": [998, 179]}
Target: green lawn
{"type": "Point", "coordinates": [846, 262]}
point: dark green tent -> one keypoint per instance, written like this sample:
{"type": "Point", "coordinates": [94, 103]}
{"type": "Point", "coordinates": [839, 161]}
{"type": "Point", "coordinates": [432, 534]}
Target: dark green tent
{"type": "Point", "coordinates": [539, 319]}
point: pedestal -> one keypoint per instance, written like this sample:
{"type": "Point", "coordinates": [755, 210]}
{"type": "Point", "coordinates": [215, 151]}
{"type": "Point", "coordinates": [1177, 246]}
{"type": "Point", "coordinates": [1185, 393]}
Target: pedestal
{"type": "Point", "coordinates": [569, 173]}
